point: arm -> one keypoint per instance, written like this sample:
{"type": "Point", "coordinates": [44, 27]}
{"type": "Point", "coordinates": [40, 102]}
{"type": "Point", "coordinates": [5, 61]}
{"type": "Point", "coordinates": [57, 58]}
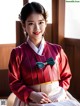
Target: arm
{"type": "Point", "coordinates": [17, 85]}
{"type": "Point", "coordinates": [65, 73]}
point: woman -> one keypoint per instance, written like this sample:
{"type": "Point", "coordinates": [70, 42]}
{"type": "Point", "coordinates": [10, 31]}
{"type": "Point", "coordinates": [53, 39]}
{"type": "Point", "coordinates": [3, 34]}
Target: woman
{"type": "Point", "coordinates": [39, 72]}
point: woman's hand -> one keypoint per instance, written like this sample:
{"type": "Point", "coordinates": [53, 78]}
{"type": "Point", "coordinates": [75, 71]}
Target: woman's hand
{"type": "Point", "coordinates": [39, 97]}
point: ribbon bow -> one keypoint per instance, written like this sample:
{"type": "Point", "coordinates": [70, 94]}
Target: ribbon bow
{"type": "Point", "coordinates": [49, 61]}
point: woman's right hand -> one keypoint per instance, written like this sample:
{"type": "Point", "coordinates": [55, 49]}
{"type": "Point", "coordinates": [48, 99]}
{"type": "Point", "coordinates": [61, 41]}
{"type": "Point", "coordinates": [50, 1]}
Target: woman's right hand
{"type": "Point", "coordinates": [39, 97]}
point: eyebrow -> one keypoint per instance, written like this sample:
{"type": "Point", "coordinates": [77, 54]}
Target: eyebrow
{"type": "Point", "coordinates": [33, 21]}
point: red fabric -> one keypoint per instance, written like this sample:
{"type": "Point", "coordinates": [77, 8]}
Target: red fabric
{"type": "Point", "coordinates": [23, 71]}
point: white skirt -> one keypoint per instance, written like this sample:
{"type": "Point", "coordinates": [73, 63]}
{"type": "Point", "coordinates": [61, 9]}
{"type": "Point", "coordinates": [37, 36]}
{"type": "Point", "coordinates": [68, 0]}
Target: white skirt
{"type": "Point", "coordinates": [68, 102]}
{"type": "Point", "coordinates": [53, 90]}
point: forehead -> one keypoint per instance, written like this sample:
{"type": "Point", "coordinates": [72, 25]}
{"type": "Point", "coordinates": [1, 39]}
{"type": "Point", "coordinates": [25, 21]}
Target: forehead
{"type": "Point", "coordinates": [35, 17]}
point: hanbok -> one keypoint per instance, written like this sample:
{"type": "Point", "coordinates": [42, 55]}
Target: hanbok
{"type": "Point", "coordinates": [25, 76]}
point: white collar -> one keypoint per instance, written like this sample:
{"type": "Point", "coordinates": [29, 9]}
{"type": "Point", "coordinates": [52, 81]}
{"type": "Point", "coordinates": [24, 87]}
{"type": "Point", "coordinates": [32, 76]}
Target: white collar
{"type": "Point", "coordinates": [36, 49]}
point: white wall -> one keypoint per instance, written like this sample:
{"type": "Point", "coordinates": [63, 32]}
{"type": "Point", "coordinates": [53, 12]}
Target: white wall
{"type": "Point", "coordinates": [9, 10]}
{"type": "Point", "coordinates": [72, 19]}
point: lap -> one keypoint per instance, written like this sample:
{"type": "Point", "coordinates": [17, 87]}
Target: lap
{"type": "Point", "coordinates": [14, 101]}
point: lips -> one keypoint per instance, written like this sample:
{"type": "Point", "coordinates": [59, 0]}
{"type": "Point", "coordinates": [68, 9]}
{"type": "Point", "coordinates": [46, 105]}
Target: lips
{"type": "Point", "coordinates": [36, 33]}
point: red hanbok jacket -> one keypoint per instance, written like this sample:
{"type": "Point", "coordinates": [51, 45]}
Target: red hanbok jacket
{"type": "Point", "coordinates": [23, 71]}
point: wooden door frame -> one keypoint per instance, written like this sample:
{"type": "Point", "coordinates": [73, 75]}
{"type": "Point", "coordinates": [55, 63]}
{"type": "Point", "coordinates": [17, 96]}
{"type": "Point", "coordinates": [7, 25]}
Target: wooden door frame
{"type": "Point", "coordinates": [55, 21]}
{"type": "Point", "coordinates": [61, 21]}
{"type": "Point", "coordinates": [58, 17]}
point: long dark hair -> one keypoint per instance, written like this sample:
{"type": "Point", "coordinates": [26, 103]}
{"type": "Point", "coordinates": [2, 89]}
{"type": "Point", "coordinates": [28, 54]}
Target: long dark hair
{"type": "Point", "coordinates": [30, 8]}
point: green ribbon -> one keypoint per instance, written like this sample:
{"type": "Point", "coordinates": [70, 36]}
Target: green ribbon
{"type": "Point", "coordinates": [49, 61]}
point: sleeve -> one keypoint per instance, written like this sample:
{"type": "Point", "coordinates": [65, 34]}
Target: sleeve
{"type": "Point", "coordinates": [65, 72]}
{"type": "Point", "coordinates": [17, 85]}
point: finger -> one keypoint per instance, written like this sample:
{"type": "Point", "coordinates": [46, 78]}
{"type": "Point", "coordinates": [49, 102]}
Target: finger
{"type": "Point", "coordinates": [49, 101]}
{"type": "Point", "coordinates": [43, 101]}
{"type": "Point", "coordinates": [44, 94]}
{"type": "Point", "coordinates": [46, 100]}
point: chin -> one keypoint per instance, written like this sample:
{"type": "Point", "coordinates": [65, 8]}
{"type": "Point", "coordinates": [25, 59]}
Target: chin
{"type": "Point", "coordinates": [38, 38]}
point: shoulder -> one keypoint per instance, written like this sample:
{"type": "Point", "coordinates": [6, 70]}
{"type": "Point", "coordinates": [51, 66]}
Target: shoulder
{"type": "Point", "coordinates": [18, 50]}
{"type": "Point", "coordinates": [55, 47]}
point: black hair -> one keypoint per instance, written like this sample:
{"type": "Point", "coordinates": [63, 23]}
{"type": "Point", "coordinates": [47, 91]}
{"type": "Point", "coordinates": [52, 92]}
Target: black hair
{"type": "Point", "coordinates": [30, 8]}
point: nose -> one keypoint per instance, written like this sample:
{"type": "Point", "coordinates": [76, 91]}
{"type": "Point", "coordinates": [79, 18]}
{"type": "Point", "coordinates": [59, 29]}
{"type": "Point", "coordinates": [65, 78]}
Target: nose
{"type": "Point", "coordinates": [36, 27]}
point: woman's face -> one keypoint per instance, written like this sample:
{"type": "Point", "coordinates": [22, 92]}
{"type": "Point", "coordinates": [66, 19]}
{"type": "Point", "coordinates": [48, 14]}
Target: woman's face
{"type": "Point", "coordinates": [35, 26]}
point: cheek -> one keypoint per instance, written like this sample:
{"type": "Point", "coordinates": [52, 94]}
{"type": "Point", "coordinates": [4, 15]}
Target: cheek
{"type": "Point", "coordinates": [43, 27]}
{"type": "Point", "coordinates": [28, 29]}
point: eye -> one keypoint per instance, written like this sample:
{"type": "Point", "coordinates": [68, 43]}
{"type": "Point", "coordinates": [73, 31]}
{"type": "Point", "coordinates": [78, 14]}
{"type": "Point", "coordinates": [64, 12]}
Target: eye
{"type": "Point", "coordinates": [41, 22]}
{"type": "Point", "coordinates": [30, 24]}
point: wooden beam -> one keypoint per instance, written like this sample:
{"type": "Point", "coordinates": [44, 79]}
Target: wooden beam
{"type": "Point", "coordinates": [25, 1]}
{"type": "Point", "coordinates": [61, 22]}
{"type": "Point", "coordinates": [55, 21]}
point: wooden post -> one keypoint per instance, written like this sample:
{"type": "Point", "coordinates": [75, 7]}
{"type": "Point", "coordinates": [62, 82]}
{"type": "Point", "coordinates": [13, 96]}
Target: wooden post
{"type": "Point", "coordinates": [25, 1]}
{"type": "Point", "coordinates": [55, 21]}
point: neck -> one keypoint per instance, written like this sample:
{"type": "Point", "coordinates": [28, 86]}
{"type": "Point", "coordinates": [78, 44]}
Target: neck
{"type": "Point", "coordinates": [36, 42]}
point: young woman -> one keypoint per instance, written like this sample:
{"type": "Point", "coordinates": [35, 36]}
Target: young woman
{"type": "Point", "coordinates": [39, 72]}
